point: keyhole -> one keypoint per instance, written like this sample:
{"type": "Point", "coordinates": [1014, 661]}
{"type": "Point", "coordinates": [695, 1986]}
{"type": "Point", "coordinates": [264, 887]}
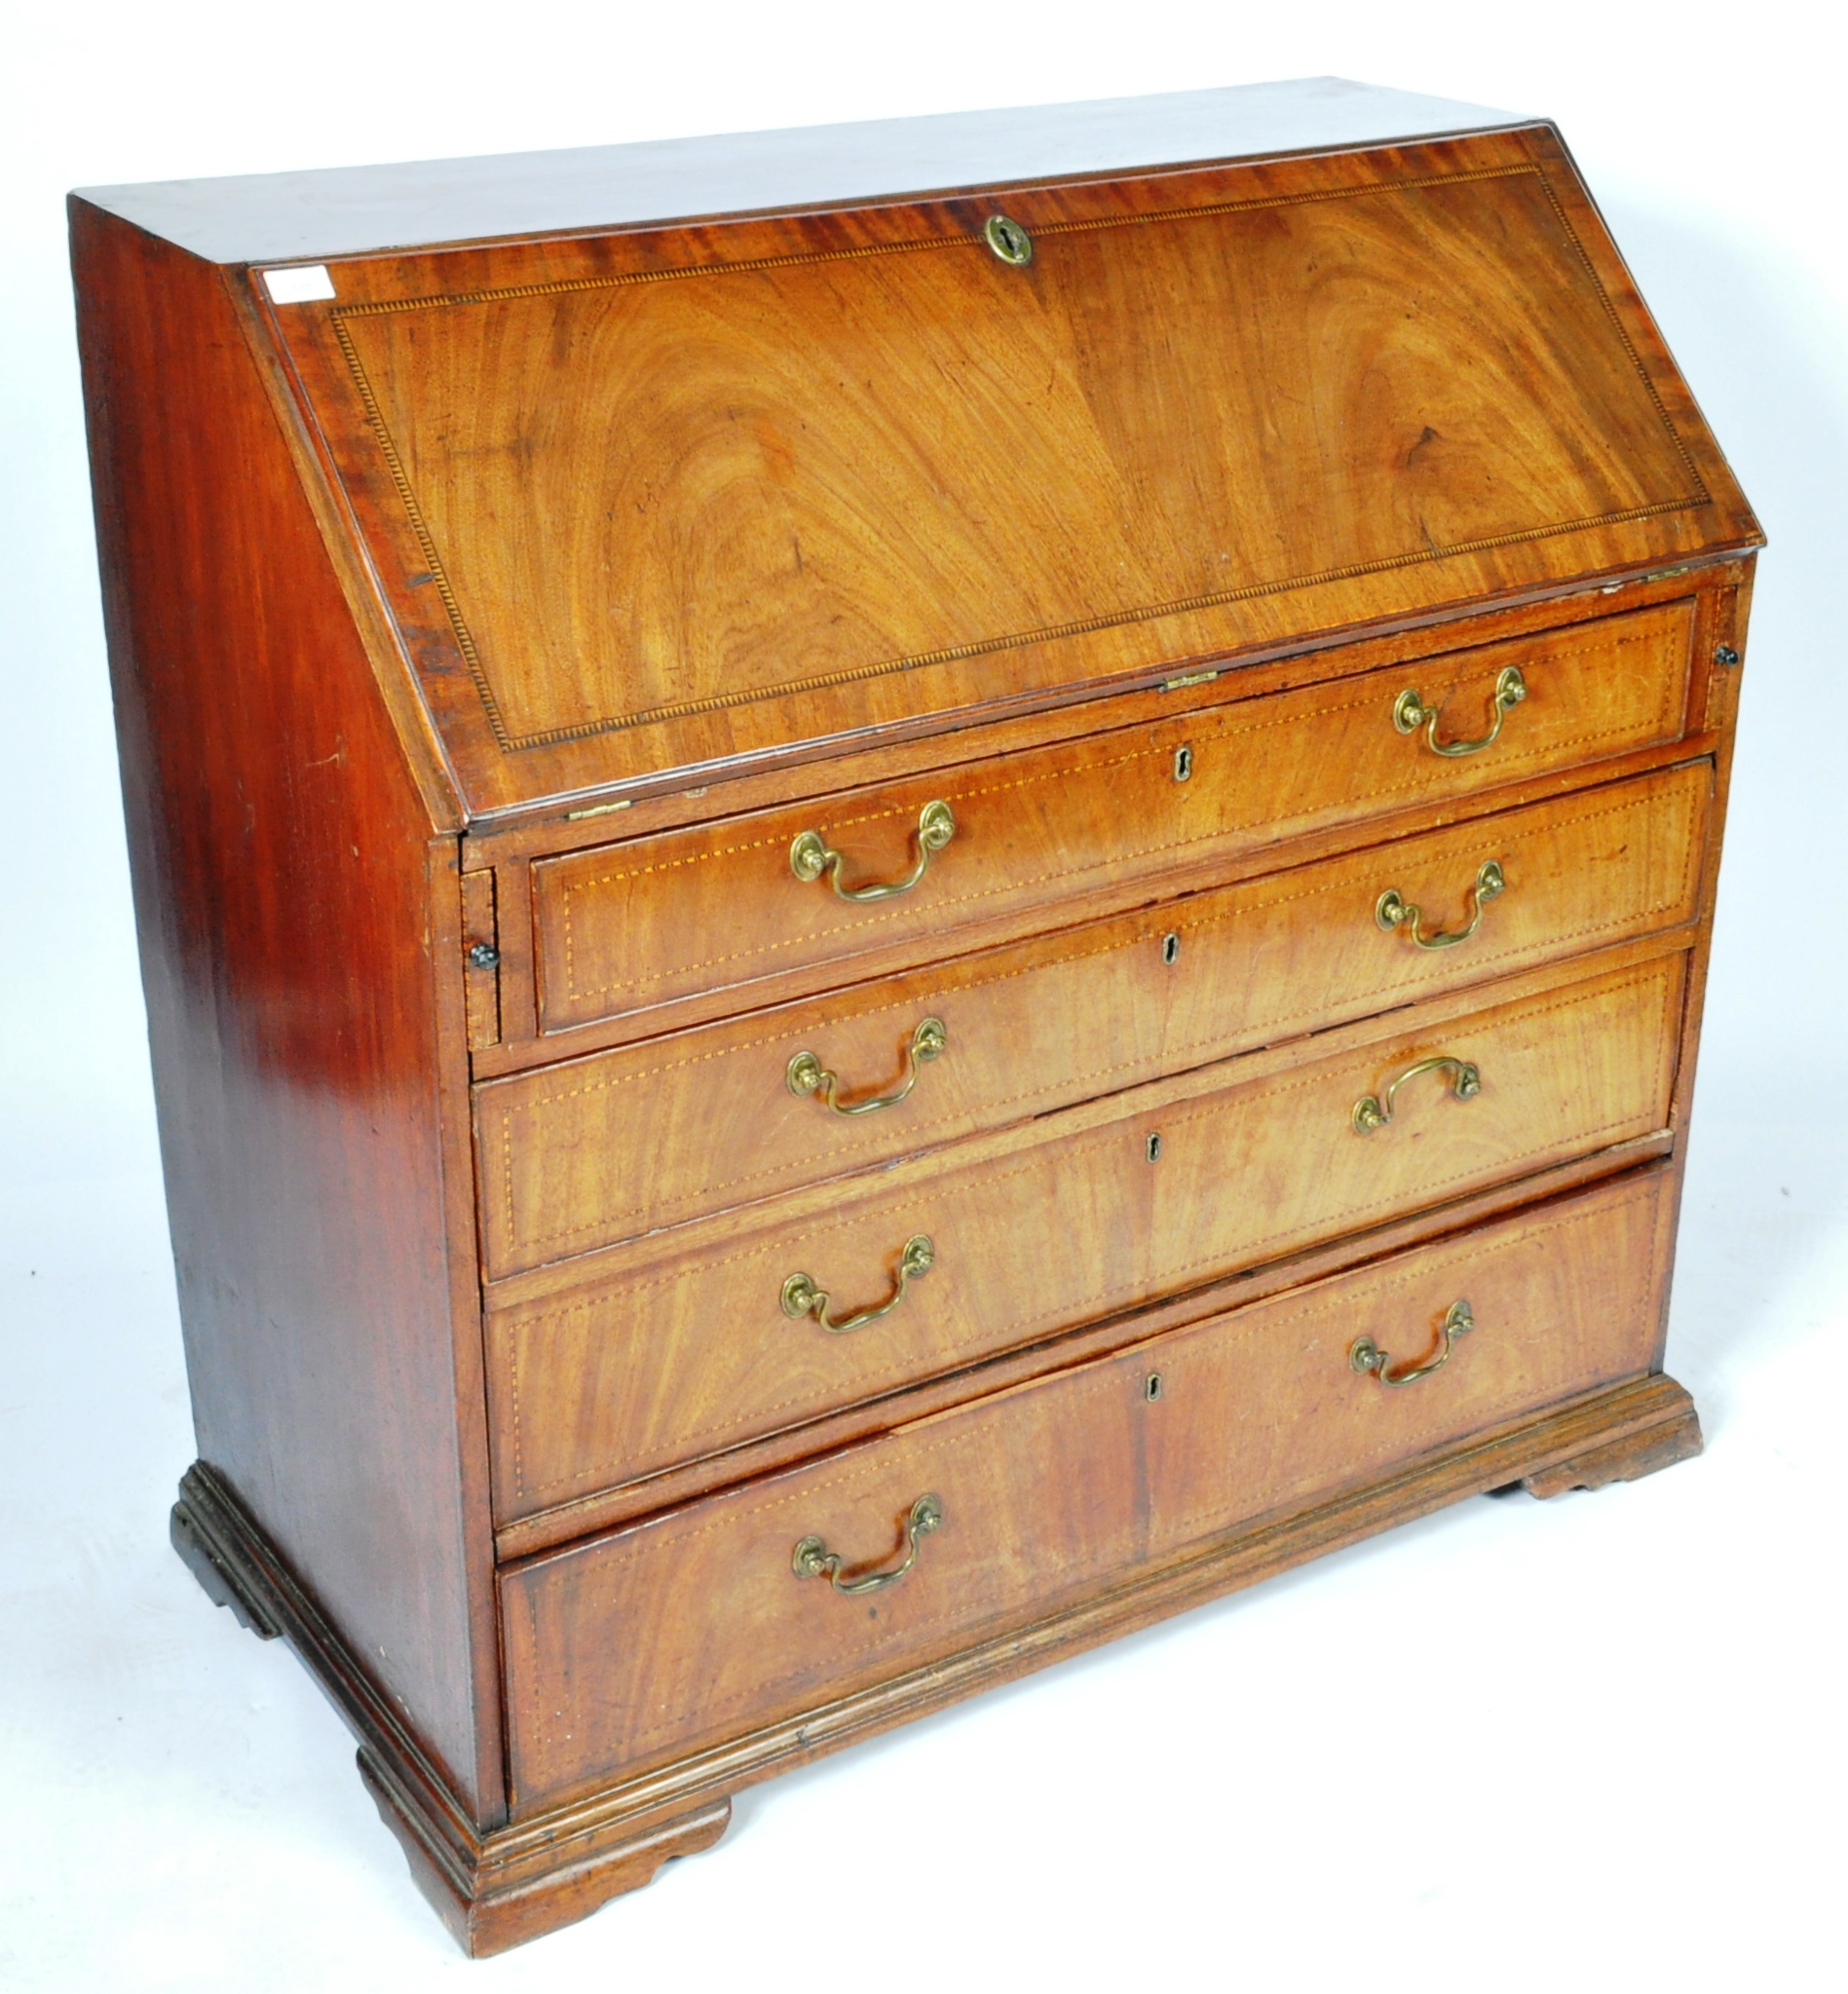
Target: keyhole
{"type": "Point", "coordinates": [1154, 1148]}
{"type": "Point", "coordinates": [1151, 1386]}
{"type": "Point", "coordinates": [1182, 764]}
{"type": "Point", "coordinates": [1170, 948]}
{"type": "Point", "coordinates": [1009, 240]}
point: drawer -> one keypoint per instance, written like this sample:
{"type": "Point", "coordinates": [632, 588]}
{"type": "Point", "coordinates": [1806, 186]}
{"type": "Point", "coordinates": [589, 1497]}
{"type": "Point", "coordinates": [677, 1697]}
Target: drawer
{"type": "Point", "coordinates": [661, 1637]}
{"type": "Point", "coordinates": [644, 1357]}
{"type": "Point", "coordinates": [597, 1151]}
{"type": "Point", "coordinates": [621, 930]}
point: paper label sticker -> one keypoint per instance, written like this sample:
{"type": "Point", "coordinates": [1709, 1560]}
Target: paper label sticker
{"type": "Point", "coordinates": [300, 286]}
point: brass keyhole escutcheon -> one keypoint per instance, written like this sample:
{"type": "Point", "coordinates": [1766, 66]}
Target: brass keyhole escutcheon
{"type": "Point", "coordinates": [1009, 240]}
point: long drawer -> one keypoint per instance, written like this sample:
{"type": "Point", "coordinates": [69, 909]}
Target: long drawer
{"type": "Point", "coordinates": [661, 1354]}
{"type": "Point", "coordinates": [669, 1634]}
{"type": "Point", "coordinates": [1001, 845]}
{"type": "Point", "coordinates": [600, 1149]}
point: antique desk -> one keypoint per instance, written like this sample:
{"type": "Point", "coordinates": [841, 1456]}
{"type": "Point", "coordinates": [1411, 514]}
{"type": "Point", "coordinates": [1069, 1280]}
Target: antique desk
{"type": "Point", "coordinates": [906, 892]}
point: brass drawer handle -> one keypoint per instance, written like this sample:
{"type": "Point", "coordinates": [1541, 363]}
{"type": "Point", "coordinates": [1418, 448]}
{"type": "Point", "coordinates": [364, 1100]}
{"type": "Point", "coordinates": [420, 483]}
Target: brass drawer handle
{"type": "Point", "coordinates": [801, 1296]}
{"type": "Point", "coordinates": [1366, 1355]}
{"type": "Point", "coordinates": [1395, 911]}
{"type": "Point", "coordinates": [1466, 1081]}
{"type": "Point", "coordinates": [1409, 713]}
{"type": "Point", "coordinates": [813, 1559]}
{"type": "Point", "coordinates": [805, 1074]}
{"type": "Point", "coordinates": [812, 856]}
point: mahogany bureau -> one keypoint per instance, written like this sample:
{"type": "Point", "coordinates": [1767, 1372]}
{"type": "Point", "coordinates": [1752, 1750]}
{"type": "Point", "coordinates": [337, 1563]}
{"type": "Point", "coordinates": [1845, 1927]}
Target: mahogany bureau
{"type": "Point", "coordinates": [906, 892]}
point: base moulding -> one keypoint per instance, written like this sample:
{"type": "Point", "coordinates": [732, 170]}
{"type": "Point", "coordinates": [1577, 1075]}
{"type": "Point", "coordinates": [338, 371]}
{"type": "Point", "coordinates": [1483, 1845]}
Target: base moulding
{"type": "Point", "coordinates": [496, 1886]}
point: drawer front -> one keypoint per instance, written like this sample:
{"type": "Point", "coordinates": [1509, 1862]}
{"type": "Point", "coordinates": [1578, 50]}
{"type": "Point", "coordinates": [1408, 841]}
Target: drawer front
{"type": "Point", "coordinates": [670, 1635]}
{"type": "Point", "coordinates": [652, 1359]}
{"type": "Point", "coordinates": [601, 1149]}
{"type": "Point", "coordinates": [623, 928]}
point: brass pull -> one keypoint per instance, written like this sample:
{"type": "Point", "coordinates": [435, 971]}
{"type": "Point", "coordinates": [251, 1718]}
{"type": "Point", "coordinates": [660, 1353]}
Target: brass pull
{"type": "Point", "coordinates": [813, 1559]}
{"type": "Point", "coordinates": [1409, 713]}
{"type": "Point", "coordinates": [805, 1074]}
{"type": "Point", "coordinates": [801, 1296]}
{"type": "Point", "coordinates": [1394, 911]}
{"type": "Point", "coordinates": [812, 855]}
{"type": "Point", "coordinates": [1366, 1355]}
{"type": "Point", "coordinates": [1466, 1081]}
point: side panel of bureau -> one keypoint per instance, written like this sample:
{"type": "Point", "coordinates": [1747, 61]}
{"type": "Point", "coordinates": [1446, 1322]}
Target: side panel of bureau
{"type": "Point", "coordinates": [659, 1639]}
{"type": "Point", "coordinates": [297, 924]}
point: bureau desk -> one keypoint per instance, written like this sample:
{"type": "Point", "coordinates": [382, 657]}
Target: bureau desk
{"type": "Point", "coordinates": [906, 892]}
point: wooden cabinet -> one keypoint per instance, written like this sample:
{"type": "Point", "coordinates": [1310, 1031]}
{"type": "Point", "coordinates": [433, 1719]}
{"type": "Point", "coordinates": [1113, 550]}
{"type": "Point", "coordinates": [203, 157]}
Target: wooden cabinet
{"type": "Point", "coordinates": [967, 862]}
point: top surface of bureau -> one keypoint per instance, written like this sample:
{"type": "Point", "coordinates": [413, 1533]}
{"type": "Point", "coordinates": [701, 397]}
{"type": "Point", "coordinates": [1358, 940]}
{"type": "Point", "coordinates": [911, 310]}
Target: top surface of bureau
{"type": "Point", "coordinates": [702, 496]}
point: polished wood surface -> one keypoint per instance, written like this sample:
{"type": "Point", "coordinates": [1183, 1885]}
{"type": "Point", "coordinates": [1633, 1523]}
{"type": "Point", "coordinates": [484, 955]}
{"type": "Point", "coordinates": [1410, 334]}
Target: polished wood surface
{"type": "Point", "coordinates": [655, 1640]}
{"type": "Point", "coordinates": [718, 910]}
{"type": "Point", "coordinates": [651, 1135]}
{"type": "Point", "coordinates": [867, 472]}
{"type": "Point", "coordinates": [347, 211]}
{"type": "Point", "coordinates": [294, 939]}
{"type": "Point", "coordinates": [668, 1355]}
{"type": "Point", "coordinates": [485, 636]}
{"type": "Point", "coordinates": [829, 472]}
{"type": "Point", "coordinates": [507, 1884]}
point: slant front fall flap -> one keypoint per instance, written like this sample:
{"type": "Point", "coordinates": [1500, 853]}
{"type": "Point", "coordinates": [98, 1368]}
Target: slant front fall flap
{"type": "Point", "coordinates": [661, 499]}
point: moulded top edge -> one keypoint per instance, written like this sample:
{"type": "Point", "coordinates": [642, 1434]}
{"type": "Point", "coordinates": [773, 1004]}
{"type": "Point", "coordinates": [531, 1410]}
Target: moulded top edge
{"type": "Point", "coordinates": [357, 210]}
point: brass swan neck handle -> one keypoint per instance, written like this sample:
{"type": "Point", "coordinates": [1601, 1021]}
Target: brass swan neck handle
{"type": "Point", "coordinates": [805, 1074]}
{"type": "Point", "coordinates": [1409, 713]}
{"type": "Point", "coordinates": [1372, 1111]}
{"type": "Point", "coordinates": [801, 1296]}
{"type": "Point", "coordinates": [813, 1559]}
{"type": "Point", "coordinates": [812, 858]}
{"type": "Point", "coordinates": [1395, 913]}
{"type": "Point", "coordinates": [1366, 1356]}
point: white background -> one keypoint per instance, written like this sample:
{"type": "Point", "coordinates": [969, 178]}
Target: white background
{"type": "Point", "coordinates": [1595, 1742]}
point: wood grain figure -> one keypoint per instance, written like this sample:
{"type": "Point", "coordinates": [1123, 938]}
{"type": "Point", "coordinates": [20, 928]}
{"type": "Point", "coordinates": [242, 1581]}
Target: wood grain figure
{"type": "Point", "coordinates": [906, 893]}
